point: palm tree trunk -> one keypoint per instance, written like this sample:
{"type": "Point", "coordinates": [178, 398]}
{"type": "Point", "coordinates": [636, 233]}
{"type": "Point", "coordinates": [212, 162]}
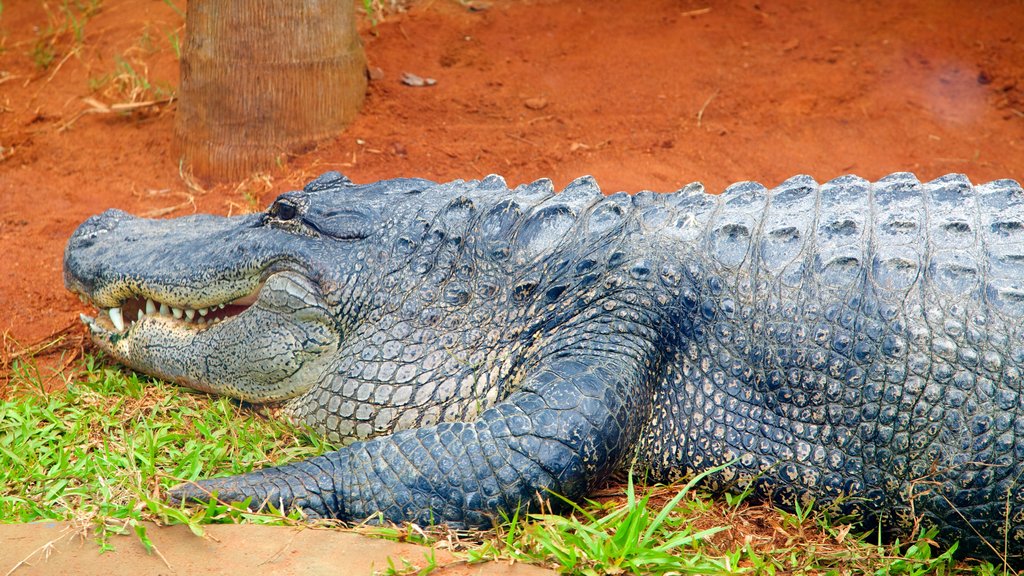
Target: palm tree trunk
{"type": "Point", "coordinates": [264, 78]}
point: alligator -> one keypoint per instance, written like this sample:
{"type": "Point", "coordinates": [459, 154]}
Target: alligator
{"type": "Point", "coordinates": [474, 349]}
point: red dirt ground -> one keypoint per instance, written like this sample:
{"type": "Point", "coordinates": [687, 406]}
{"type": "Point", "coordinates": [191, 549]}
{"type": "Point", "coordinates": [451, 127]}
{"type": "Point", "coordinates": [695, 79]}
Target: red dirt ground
{"type": "Point", "coordinates": [647, 95]}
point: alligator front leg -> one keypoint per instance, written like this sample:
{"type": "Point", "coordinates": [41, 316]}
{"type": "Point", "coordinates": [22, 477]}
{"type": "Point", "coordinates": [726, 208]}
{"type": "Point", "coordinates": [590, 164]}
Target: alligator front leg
{"type": "Point", "coordinates": [572, 422]}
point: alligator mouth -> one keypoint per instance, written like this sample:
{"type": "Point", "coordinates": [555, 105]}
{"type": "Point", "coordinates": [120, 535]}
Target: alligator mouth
{"type": "Point", "coordinates": [135, 308]}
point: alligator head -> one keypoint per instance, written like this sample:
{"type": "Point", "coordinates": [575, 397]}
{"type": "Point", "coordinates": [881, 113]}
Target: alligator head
{"type": "Point", "coordinates": [247, 306]}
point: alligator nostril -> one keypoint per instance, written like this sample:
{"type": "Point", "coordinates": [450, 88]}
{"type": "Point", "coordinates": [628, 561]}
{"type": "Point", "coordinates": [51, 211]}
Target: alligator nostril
{"type": "Point", "coordinates": [96, 226]}
{"type": "Point", "coordinates": [105, 222]}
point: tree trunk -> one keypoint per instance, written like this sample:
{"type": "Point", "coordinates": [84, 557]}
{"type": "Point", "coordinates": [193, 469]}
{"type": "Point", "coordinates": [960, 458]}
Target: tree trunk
{"type": "Point", "coordinates": [263, 78]}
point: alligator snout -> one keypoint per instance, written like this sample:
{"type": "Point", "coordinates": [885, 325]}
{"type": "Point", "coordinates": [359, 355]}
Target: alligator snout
{"type": "Point", "coordinates": [87, 233]}
{"type": "Point", "coordinates": [88, 240]}
{"type": "Point", "coordinates": [114, 257]}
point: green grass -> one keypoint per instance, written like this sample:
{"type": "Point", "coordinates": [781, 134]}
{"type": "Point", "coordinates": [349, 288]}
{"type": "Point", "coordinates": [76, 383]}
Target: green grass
{"type": "Point", "coordinates": [107, 448]}
{"type": "Point", "coordinates": [371, 8]}
{"type": "Point", "coordinates": [174, 41]}
{"type": "Point", "coordinates": [130, 83]}
{"type": "Point", "coordinates": [174, 37]}
{"type": "Point", "coordinates": [177, 10]}
{"type": "Point", "coordinates": [64, 31]}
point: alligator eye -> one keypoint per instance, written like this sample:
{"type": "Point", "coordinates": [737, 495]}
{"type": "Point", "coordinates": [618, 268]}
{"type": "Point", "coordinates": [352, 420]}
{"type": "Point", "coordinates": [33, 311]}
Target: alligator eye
{"type": "Point", "coordinates": [283, 210]}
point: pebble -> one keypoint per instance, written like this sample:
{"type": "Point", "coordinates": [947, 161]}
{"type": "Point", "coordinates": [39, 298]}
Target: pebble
{"type": "Point", "coordinates": [536, 103]}
{"type": "Point", "coordinates": [410, 79]}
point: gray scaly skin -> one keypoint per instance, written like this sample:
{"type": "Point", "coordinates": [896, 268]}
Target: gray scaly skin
{"type": "Point", "coordinates": [852, 343]}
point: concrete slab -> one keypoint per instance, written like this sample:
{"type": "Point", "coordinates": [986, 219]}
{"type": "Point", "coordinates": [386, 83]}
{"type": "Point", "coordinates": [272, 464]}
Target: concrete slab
{"type": "Point", "coordinates": [246, 550]}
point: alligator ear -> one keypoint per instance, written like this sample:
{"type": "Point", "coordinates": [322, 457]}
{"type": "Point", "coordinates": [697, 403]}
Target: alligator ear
{"type": "Point", "coordinates": [344, 224]}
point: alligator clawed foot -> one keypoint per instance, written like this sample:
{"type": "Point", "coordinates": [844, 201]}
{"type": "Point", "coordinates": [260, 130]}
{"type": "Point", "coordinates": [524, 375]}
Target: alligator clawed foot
{"type": "Point", "coordinates": [261, 492]}
{"type": "Point", "coordinates": [202, 491]}
{"type": "Point", "coordinates": [196, 492]}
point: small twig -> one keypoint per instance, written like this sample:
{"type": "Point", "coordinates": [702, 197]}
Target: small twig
{"type": "Point", "coordinates": [999, 555]}
{"type": "Point", "coordinates": [121, 527]}
{"type": "Point", "coordinates": [521, 139]}
{"type": "Point", "coordinates": [55, 339]}
{"type": "Point", "coordinates": [66, 340]}
{"type": "Point", "coordinates": [185, 173]}
{"type": "Point", "coordinates": [132, 106]}
{"type": "Point", "coordinates": [273, 557]}
{"type": "Point", "coordinates": [45, 550]}
{"type": "Point", "coordinates": [61, 63]}
{"type": "Point", "coordinates": [697, 12]}
{"type": "Point", "coordinates": [190, 200]}
{"type": "Point", "coordinates": [97, 107]}
{"type": "Point", "coordinates": [700, 113]}
{"type": "Point", "coordinates": [156, 550]}
{"type": "Point", "coordinates": [101, 108]}
{"type": "Point", "coordinates": [449, 153]}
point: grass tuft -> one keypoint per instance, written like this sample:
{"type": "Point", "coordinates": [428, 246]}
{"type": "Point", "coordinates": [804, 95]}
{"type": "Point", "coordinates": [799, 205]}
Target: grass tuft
{"type": "Point", "coordinates": [130, 83]}
{"type": "Point", "coordinates": [672, 530]}
{"type": "Point", "coordinates": [64, 31]}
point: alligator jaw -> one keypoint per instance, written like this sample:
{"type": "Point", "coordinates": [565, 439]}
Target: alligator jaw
{"type": "Point", "coordinates": [113, 327]}
{"type": "Point", "coordinates": [120, 319]}
{"type": "Point", "coordinates": [266, 351]}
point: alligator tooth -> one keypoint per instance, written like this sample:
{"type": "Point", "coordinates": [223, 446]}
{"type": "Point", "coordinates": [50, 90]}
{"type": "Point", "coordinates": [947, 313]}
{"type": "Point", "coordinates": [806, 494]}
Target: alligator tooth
{"type": "Point", "coordinates": [204, 311]}
{"type": "Point", "coordinates": [201, 320]}
{"type": "Point", "coordinates": [150, 306]}
{"type": "Point", "coordinates": [176, 312]}
{"type": "Point", "coordinates": [115, 317]}
{"type": "Point", "coordinates": [140, 316]}
{"type": "Point", "coordinates": [189, 313]}
{"type": "Point", "coordinates": [164, 309]}
{"type": "Point", "coordinates": [221, 306]}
